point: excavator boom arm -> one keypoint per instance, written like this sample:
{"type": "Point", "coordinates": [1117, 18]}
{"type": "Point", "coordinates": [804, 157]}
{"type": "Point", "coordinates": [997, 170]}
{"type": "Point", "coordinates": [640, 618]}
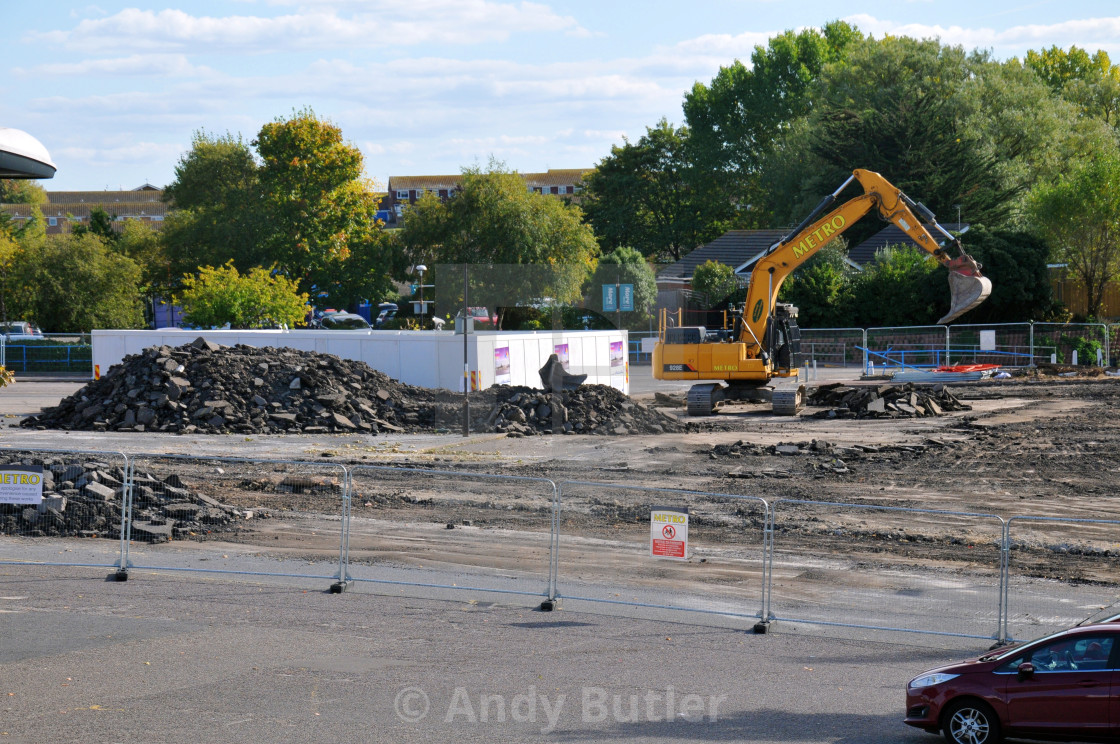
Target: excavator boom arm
{"type": "Point", "coordinates": [969, 288]}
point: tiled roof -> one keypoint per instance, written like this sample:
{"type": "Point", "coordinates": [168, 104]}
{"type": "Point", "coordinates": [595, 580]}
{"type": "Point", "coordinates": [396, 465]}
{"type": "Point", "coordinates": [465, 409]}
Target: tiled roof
{"type": "Point", "coordinates": [864, 253]}
{"type": "Point", "coordinates": [551, 177]}
{"type": "Point", "coordinates": [733, 248]}
{"type": "Point", "coordinates": [136, 196]}
{"type": "Point", "coordinates": [402, 183]}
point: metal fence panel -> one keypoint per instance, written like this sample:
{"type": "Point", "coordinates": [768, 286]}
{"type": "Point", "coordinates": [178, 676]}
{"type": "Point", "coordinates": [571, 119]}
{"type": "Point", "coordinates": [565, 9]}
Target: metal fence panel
{"type": "Point", "coordinates": [78, 520]}
{"type": "Point", "coordinates": [66, 354]}
{"type": "Point", "coordinates": [832, 347]}
{"type": "Point", "coordinates": [1060, 571]}
{"type": "Point", "coordinates": [1060, 340]}
{"type": "Point", "coordinates": [452, 530]}
{"type": "Point", "coordinates": [1006, 344]}
{"type": "Point", "coordinates": [604, 550]}
{"type": "Point", "coordinates": [237, 515]}
{"type": "Point", "coordinates": [887, 568]}
{"type": "Point", "coordinates": [907, 346]}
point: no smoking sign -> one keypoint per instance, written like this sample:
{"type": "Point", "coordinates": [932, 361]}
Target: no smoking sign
{"type": "Point", "coordinates": [668, 533]}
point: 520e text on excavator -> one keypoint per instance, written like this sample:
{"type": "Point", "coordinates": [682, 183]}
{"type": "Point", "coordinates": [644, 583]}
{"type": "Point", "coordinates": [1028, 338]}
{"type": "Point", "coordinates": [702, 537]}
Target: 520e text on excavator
{"type": "Point", "coordinates": [742, 362]}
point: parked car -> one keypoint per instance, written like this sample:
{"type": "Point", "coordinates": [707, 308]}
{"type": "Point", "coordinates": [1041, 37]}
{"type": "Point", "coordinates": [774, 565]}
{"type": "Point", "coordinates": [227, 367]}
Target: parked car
{"type": "Point", "coordinates": [20, 330]}
{"type": "Point", "coordinates": [385, 311]}
{"type": "Point", "coordinates": [1056, 687]}
{"type": "Point", "coordinates": [343, 322]}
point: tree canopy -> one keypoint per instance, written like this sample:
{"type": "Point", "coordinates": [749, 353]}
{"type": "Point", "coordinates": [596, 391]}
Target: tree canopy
{"type": "Point", "coordinates": [299, 202]}
{"type": "Point", "coordinates": [1080, 217]}
{"type": "Point", "coordinates": [257, 299]}
{"type": "Point", "coordinates": [519, 246]}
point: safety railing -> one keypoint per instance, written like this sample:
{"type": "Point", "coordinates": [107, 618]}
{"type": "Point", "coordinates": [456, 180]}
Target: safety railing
{"type": "Point", "coordinates": [871, 566]}
{"type": "Point", "coordinates": [79, 496]}
{"type": "Point", "coordinates": [605, 543]}
{"type": "Point", "coordinates": [1044, 552]}
{"type": "Point", "coordinates": [856, 565]}
{"type": "Point", "coordinates": [414, 527]}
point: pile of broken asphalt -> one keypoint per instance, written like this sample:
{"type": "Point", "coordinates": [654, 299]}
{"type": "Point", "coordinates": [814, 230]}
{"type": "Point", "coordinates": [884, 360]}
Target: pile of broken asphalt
{"type": "Point", "coordinates": [207, 388]}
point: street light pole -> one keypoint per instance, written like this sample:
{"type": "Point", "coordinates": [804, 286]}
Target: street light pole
{"type": "Point", "coordinates": [466, 362]}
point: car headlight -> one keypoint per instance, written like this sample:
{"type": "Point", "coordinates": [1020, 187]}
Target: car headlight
{"type": "Point", "coordinates": [929, 680]}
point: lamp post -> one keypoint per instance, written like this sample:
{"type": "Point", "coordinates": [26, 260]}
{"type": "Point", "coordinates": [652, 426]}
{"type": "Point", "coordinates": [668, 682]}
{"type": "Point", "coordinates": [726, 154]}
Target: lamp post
{"type": "Point", "coordinates": [420, 269]}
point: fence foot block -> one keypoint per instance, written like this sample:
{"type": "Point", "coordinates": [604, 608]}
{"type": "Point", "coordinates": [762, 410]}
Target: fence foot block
{"type": "Point", "coordinates": [762, 627]}
{"type": "Point", "coordinates": [120, 574]}
{"type": "Point", "coordinates": [339, 587]}
{"type": "Point", "coordinates": [549, 605]}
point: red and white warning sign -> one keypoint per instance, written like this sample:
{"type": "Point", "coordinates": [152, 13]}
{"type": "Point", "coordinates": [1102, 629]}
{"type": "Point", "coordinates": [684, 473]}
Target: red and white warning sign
{"type": "Point", "coordinates": [668, 532]}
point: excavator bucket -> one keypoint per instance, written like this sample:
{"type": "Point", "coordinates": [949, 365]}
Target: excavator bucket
{"type": "Point", "coordinates": [967, 289]}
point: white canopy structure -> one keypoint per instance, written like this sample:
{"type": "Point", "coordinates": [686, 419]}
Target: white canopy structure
{"type": "Point", "coordinates": [23, 156]}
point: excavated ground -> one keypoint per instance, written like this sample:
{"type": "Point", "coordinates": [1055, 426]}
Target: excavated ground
{"type": "Point", "coordinates": [1046, 445]}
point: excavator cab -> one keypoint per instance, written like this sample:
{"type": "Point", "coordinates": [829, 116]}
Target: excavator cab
{"type": "Point", "coordinates": [783, 336]}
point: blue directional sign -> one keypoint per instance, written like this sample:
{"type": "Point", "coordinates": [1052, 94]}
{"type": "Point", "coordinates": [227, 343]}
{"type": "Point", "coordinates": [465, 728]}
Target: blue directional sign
{"type": "Point", "coordinates": [610, 298]}
{"type": "Point", "coordinates": [626, 298]}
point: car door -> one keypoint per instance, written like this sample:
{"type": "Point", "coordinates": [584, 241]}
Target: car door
{"type": "Point", "coordinates": [1068, 692]}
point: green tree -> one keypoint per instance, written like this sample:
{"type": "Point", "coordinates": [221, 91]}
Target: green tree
{"type": "Point", "coordinates": [1080, 218]}
{"type": "Point", "coordinates": [823, 288]}
{"type": "Point", "coordinates": [302, 205]}
{"type": "Point", "coordinates": [77, 283]}
{"type": "Point", "coordinates": [1090, 81]}
{"type": "Point", "coordinates": [648, 195]}
{"type": "Point", "coordinates": [20, 191]}
{"type": "Point", "coordinates": [216, 207]}
{"type": "Point", "coordinates": [714, 281]}
{"type": "Point", "coordinates": [738, 119]}
{"type": "Point", "coordinates": [894, 107]}
{"type": "Point", "coordinates": [625, 265]}
{"type": "Point", "coordinates": [1016, 263]}
{"type": "Point", "coordinates": [257, 299]}
{"type": "Point", "coordinates": [520, 247]}
{"type": "Point", "coordinates": [898, 289]}
{"type": "Point", "coordinates": [321, 211]}
{"type": "Point", "coordinates": [100, 224]}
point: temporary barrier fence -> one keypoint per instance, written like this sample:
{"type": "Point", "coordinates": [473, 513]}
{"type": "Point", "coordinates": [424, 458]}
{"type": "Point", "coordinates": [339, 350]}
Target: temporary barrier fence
{"type": "Point", "coordinates": [84, 495]}
{"type": "Point", "coordinates": [606, 534]}
{"type": "Point", "coordinates": [193, 513]}
{"type": "Point", "coordinates": [1062, 339]}
{"type": "Point", "coordinates": [850, 584]}
{"type": "Point", "coordinates": [456, 530]}
{"type": "Point", "coordinates": [835, 347]}
{"type": "Point", "coordinates": [1078, 555]}
{"type": "Point", "coordinates": [819, 563]}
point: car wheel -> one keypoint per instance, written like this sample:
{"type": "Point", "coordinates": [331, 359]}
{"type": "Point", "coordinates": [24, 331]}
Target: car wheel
{"type": "Point", "coordinates": [971, 722]}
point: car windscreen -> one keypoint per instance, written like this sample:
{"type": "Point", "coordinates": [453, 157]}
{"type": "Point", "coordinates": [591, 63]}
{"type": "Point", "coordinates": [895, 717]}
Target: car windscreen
{"type": "Point", "coordinates": [346, 324]}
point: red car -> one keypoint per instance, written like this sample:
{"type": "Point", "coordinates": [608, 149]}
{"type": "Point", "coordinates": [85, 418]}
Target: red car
{"type": "Point", "coordinates": [1065, 686]}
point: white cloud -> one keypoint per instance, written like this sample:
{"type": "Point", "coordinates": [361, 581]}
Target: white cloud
{"type": "Point", "coordinates": [1090, 33]}
{"type": "Point", "coordinates": [137, 65]}
{"type": "Point", "coordinates": [379, 25]}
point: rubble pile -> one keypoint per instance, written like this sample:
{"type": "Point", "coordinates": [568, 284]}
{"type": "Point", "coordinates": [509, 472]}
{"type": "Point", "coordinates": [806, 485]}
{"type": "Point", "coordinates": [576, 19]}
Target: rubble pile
{"type": "Point", "coordinates": [206, 388]}
{"type": "Point", "coordinates": [884, 401]}
{"type": "Point", "coordinates": [83, 499]}
{"type": "Point", "coordinates": [588, 409]}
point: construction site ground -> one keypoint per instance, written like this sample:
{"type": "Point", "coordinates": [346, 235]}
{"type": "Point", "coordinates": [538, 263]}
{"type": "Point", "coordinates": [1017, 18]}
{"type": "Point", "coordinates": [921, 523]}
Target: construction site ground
{"type": "Point", "coordinates": [1044, 445]}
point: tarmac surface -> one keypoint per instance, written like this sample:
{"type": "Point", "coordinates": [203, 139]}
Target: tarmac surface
{"type": "Point", "coordinates": [190, 656]}
{"type": "Point", "coordinates": [168, 657]}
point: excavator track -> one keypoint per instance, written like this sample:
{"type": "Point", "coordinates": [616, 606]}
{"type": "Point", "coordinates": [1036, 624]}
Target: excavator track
{"type": "Point", "coordinates": [704, 399]}
{"type": "Point", "coordinates": [786, 400]}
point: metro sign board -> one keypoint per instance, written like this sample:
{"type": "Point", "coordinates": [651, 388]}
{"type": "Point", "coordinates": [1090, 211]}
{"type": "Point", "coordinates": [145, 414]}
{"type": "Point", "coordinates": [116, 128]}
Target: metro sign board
{"type": "Point", "coordinates": [668, 533]}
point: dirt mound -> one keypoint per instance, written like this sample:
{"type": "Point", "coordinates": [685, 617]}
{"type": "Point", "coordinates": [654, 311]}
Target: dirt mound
{"type": "Point", "coordinates": [204, 387]}
{"type": "Point", "coordinates": [884, 401]}
{"type": "Point", "coordinates": [589, 409]}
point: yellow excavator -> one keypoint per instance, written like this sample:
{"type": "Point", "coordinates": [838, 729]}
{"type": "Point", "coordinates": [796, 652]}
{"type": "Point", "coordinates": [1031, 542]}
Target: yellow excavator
{"type": "Point", "coordinates": [765, 337]}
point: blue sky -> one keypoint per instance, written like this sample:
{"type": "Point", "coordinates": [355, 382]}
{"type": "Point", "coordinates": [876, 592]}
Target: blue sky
{"type": "Point", "coordinates": [115, 91]}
